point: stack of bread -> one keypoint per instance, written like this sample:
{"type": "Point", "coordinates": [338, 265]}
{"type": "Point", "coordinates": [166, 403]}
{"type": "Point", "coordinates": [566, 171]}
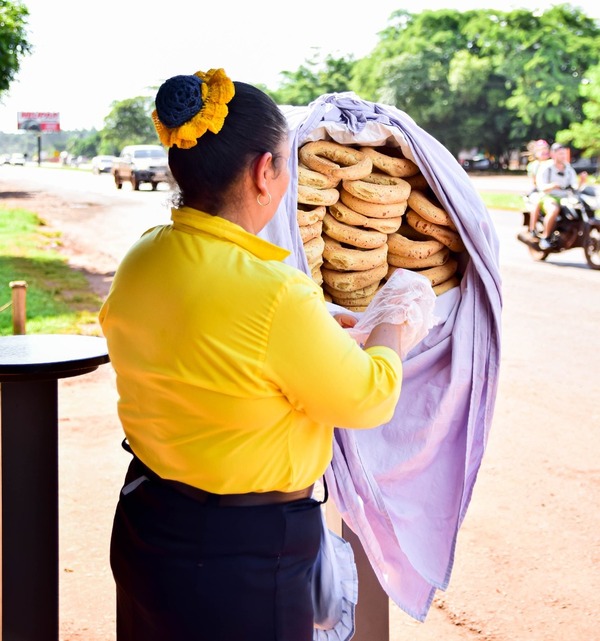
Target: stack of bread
{"type": "Point", "coordinates": [364, 212]}
{"type": "Point", "coordinates": [310, 223]}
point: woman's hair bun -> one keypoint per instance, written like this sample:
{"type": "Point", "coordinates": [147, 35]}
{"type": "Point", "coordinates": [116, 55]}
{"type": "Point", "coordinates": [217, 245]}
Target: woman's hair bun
{"type": "Point", "coordinates": [178, 100]}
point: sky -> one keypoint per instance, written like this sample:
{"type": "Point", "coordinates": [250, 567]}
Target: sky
{"type": "Point", "coordinates": [88, 54]}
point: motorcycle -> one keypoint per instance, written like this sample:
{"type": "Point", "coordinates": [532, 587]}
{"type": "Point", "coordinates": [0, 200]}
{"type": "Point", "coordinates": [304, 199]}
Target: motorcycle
{"type": "Point", "coordinates": [578, 225]}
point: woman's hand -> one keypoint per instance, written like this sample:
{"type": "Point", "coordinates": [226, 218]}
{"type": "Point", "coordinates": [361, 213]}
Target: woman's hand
{"type": "Point", "coordinates": [345, 320]}
{"type": "Point", "coordinates": [386, 334]}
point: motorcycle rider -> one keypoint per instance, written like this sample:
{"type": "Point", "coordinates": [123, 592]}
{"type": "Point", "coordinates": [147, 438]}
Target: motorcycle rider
{"type": "Point", "coordinates": [554, 179]}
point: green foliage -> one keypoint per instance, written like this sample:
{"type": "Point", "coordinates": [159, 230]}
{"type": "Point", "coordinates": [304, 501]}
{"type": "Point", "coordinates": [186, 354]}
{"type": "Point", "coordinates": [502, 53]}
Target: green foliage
{"type": "Point", "coordinates": [546, 65]}
{"type": "Point", "coordinates": [586, 134]}
{"type": "Point", "coordinates": [483, 77]}
{"type": "Point", "coordinates": [14, 45]}
{"type": "Point", "coordinates": [87, 145]}
{"type": "Point", "coordinates": [128, 123]}
{"type": "Point", "coordinates": [319, 76]}
{"type": "Point", "coordinates": [58, 298]}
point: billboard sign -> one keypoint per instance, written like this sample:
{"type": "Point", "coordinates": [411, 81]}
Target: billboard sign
{"type": "Point", "coordinates": [38, 121]}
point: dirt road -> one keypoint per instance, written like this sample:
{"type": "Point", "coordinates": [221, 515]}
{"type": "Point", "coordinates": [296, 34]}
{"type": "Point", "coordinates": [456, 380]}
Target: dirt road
{"type": "Point", "coordinates": [527, 564]}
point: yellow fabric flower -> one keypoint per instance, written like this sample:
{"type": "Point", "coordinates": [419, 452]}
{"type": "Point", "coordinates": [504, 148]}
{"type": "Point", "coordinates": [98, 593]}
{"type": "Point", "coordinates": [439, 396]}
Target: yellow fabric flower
{"type": "Point", "coordinates": [217, 90]}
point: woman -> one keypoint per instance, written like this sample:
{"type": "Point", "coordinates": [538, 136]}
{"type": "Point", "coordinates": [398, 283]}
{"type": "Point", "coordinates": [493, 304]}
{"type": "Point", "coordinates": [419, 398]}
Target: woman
{"type": "Point", "coordinates": [231, 376]}
{"type": "Point", "coordinates": [541, 155]}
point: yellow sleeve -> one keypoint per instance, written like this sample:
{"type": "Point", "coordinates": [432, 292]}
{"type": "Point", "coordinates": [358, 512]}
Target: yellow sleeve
{"type": "Point", "coordinates": [322, 370]}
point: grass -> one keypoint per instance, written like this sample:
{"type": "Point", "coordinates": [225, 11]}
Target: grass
{"type": "Point", "coordinates": [501, 200]}
{"type": "Point", "coordinates": [58, 297]}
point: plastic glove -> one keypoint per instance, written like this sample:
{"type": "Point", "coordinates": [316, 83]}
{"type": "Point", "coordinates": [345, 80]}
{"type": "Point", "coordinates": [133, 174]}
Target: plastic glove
{"type": "Point", "coordinates": [406, 299]}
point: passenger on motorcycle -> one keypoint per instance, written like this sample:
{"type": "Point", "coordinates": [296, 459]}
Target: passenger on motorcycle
{"type": "Point", "coordinates": [541, 154]}
{"type": "Point", "coordinates": [555, 179]}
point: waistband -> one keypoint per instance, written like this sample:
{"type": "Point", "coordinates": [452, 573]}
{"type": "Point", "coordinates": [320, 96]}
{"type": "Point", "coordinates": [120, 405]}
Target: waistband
{"type": "Point", "coordinates": [248, 499]}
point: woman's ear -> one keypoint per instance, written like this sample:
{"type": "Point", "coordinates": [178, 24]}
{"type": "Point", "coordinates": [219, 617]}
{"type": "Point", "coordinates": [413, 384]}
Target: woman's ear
{"type": "Point", "coordinates": [262, 166]}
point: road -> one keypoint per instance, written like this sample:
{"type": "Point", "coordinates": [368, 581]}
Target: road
{"type": "Point", "coordinates": [527, 564]}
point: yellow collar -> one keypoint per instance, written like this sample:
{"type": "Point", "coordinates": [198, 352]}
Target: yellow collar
{"type": "Point", "coordinates": [194, 221]}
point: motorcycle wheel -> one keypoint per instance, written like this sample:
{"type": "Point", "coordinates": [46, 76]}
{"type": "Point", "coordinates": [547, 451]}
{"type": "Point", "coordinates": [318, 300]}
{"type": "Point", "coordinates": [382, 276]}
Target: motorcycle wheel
{"type": "Point", "coordinates": [591, 247]}
{"type": "Point", "coordinates": [538, 254]}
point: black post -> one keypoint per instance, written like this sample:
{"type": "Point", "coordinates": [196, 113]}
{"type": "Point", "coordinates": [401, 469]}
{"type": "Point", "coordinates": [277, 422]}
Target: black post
{"type": "Point", "coordinates": [29, 511]}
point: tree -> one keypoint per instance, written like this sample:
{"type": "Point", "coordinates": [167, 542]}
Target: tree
{"type": "Point", "coordinates": [585, 135]}
{"type": "Point", "coordinates": [129, 122]}
{"type": "Point", "coordinates": [87, 145]}
{"type": "Point", "coordinates": [483, 78]}
{"type": "Point", "coordinates": [319, 76]}
{"type": "Point", "coordinates": [545, 59]}
{"type": "Point", "coordinates": [14, 45]}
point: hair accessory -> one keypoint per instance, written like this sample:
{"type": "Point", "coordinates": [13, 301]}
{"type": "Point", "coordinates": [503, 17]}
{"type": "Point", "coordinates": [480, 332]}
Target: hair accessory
{"type": "Point", "coordinates": [264, 204]}
{"type": "Point", "coordinates": [188, 106]}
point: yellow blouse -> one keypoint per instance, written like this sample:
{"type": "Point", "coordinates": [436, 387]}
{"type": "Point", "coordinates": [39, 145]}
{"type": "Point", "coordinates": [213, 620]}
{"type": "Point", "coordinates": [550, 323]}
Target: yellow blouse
{"type": "Point", "coordinates": [231, 372]}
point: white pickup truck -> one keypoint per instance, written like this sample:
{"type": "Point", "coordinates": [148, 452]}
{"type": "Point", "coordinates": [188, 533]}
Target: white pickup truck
{"type": "Point", "coordinates": [138, 164]}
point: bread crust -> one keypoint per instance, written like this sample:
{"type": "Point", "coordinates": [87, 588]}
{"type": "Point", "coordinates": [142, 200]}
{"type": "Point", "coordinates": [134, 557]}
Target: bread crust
{"type": "Point", "coordinates": [378, 188]}
{"type": "Point", "coordinates": [336, 160]}
{"type": "Point", "coordinates": [347, 259]}
{"type": "Point", "coordinates": [355, 236]}
{"type": "Point", "coordinates": [372, 210]}
{"type": "Point", "coordinates": [394, 166]}
{"type": "Point", "coordinates": [445, 235]}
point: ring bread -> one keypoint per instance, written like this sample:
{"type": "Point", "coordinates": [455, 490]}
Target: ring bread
{"type": "Point", "coordinates": [394, 166]}
{"type": "Point", "coordinates": [355, 236]}
{"type": "Point", "coordinates": [336, 160]}
{"type": "Point", "coordinates": [445, 235]}
{"type": "Point", "coordinates": [447, 285]}
{"type": "Point", "coordinates": [435, 260]}
{"type": "Point", "coordinates": [313, 196]}
{"type": "Point", "coordinates": [308, 232]}
{"type": "Point", "coordinates": [344, 214]}
{"type": "Point", "coordinates": [403, 246]}
{"type": "Point", "coordinates": [347, 259]}
{"type": "Point", "coordinates": [351, 281]}
{"type": "Point", "coordinates": [310, 216]}
{"type": "Point", "coordinates": [418, 201]}
{"type": "Point", "coordinates": [441, 273]}
{"type": "Point", "coordinates": [357, 293]}
{"type": "Point", "coordinates": [313, 250]}
{"type": "Point", "coordinates": [377, 188]}
{"type": "Point", "coordinates": [311, 178]}
{"type": "Point", "coordinates": [349, 300]}
{"type": "Point", "coordinates": [373, 210]}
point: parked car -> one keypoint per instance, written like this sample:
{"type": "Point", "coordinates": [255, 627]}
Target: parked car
{"type": "Point", "coordinates": [139, 164]}
{"type": "Point", "coordinates": [17, 159]}
{"type": "Point", "coordinates": [476, 163]}
{"type": "Point", "coordinates": [585, 164]}
{"type": "Point", "coordinates": [102, 164]}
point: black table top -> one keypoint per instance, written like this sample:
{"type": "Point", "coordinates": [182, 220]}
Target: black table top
{"type": "Point", "coordinates": [45, 356]}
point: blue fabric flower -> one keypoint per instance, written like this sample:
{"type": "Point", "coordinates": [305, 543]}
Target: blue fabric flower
{"type": "Point", "coordinates": [178, 100]}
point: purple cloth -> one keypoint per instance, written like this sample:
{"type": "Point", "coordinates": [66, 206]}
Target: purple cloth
{"type": "Point", "coordinates": [404, 487]}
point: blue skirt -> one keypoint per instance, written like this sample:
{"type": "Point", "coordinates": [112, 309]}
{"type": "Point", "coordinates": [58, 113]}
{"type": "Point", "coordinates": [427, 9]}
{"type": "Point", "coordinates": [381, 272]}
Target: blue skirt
{"type": "Point", "coordinates": [187, 571]}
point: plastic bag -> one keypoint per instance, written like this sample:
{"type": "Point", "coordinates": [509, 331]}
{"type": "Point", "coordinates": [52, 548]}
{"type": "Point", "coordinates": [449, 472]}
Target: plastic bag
{"type": "Point", "coordinates": [406, 299]}
{"type": "Point", "coordinates": [334, 588]}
